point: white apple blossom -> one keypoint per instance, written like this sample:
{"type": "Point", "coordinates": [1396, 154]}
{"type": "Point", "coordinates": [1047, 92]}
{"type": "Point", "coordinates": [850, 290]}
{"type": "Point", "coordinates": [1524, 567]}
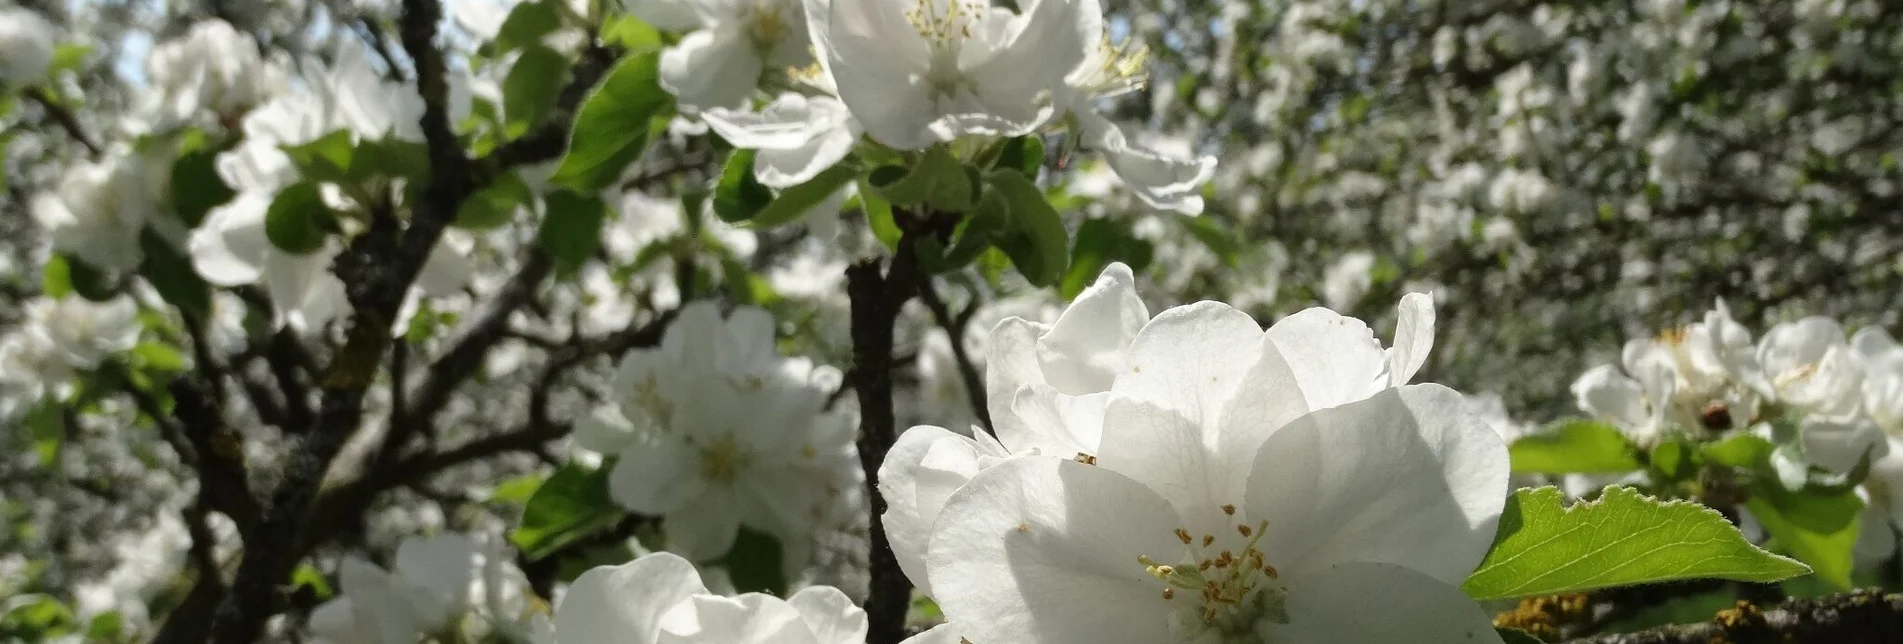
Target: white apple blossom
{"type": "Point", "coordinates": [1809, 365]}
{"type": "Point", "coordinates": [719, 64]}
{"type": "Point", "coordinates": [660, 599]}
{"type": "Point", "coordinates": [26, 46]}
{"type": "Point", "coordinates": [796, 136]}
{"type": "Point", "coordinates": [211, 68]}
{"type": "Point", "coordinates": [441, 584]}
{"type": "Point", "coordinates": [715, 431]}
{"type": "Point", "coordinates": [60, 337]}
{"type": "Point", "coordinates": [1199, 513]}
{"type": "Point", "coordinates": [1164, 181]}
{"type": "Point", "coordinates": [1705, 374]}
{"type": "Point", "coordinates": [101, 207]}
{"type": "Point", "coordinates": [915, 72]}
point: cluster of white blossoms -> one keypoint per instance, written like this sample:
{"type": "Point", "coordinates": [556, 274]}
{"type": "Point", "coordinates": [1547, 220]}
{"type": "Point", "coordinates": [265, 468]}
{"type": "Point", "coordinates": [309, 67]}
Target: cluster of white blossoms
{"type": "Point", "coordinates": [1193, 477]}
{"type": "Point", "coordinates": [715, 430]}
{"type": "Point", "coordinates": [58, 339]}
{"type": "Point", "coordinates": [660, 598]}
{"type": "Point", "coordinates": [909, 74]}
{"type": "Point", "coordinates": [1843, 393]}
{"type": "Point", "coordinates": [452, 587]}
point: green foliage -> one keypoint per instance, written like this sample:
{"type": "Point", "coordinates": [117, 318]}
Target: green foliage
{"type": "Point", "coordinates": [1575, 446]}
{"type": "Point", "coordinates": [571, 232]}
{"type": "Point", "coordinates": [738, 197]}
{"type": "Point", "coordinates": [527, 23]}
{"type": "Point", "coordinates": [1819, 528]}
{"type": "Point", "coordinates": [631, 33]}
{"type": "Point", "coordinates": [306, 576]}
{"type": "Point", "coordinates": [360, 168]}
{"type": "Point", "coordinates": [1024, 154]}
{"type": "Point", "coordinates": [298, 221]}
{"type": "Point", "coordinates": [171, 274]}
{"type": "Point", "coordinates": [1099, 242]}
{"type": "Point", "coordinates": [35, 617]}
{"type": "Point", "coordinates": [936, 181]}
{"type": "Point", "coordinates": [794, 203]}
{"type": "Point", "coordinates": [531, 87]}
{"type": "Point", "coordinates": [573, 503]}
{"type": "Point", "coordinates": [756, 563]}
{"type": "Point", "coordinates": [66, 275]}
{"type": "Point", "coordinates": [495, 204]}
{"type": "Point", "coordinates": [1623, 538]}
{"type": "Point", "coordinates": [612, 128]}
{"type": "Point", "coordinates": [46, 426]}
{"type": "Point", "coordinates": [196, 186]}
{"type": "Point", "coordinates": [1037, 242]}
{"type": "Point", "coordinates": [879, 216]}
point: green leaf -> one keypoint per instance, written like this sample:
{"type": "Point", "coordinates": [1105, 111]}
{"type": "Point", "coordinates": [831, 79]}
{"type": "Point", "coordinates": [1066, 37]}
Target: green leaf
{"type": "Point", "coordinates": [1673, 460]}
{"type": "Point", "coordinates": [1740, 450]}
{"type": "Point", "coordinates": [196, 186]}
{"type": "Point", "coordinates": [1024, 154]}
{"type": "Point", "coordinates": [1622, 538]}
{"type": "Point", "coordinates": [307, 576]}
{"type": "Point", "coordinates": [1819, 529]}
{"type": "Point", "coordinates": [158, 357]}
{"type": "Point", "coordinates": [68, 56]}
{"type": "Point", "coordinates": [1037, 243]}
{"type": "Point", "coordinates": [496, 204]}
{"type": "Point", "coordinates": [739, 197]}
{"type": "Point", "coordinates": [1099, 242]}
{"type": "Point", "coordinates": [56, 277]}
{"type": "Point", "coordinates": [795, 202]}
{"type": "Point", "coordinates": [170, 273]}
{"type": "Point", "coordinates": [328, 158]}
{"type": "Point", "coordinates": [571, 233]}
{"type": "Point", "coordinates": [756, 564]}
{"type": "Point", "coordinates": [1516, 636]}
{"type": "Point", "coordinates": [573, 503]}
{"type": "Point", "coordinates": [81, 278]}
{"type": "Point", "coordinates": [611, 129]}
{"type": "Point", "coordinates": [531, 87]}
{"type": "Point", "coordinates": [937, 181]}
{"type": "Point", "coordinates": [516, 491]}
{"type": "Point", "coordinates": [879, 216]}
{"type": "Point", "coordinates": [977, 233]}
{"type": "Point", "coordinates": [526, 25]}
{"type": "Point", "coordinates": [298, 221]}
{"type": "Point", "coordinates": [105, 627]}
{"type": "Point", "coordinates": [631, 33]}
{"type": "Point", "coordinates": [1575, 446]}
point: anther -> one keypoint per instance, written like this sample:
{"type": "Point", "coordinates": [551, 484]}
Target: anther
{"type": "Point", "coordinates": [1245, 530]}
{"type": "Point", "coordinates": [1229, 509]}
{"type": "Point", "coordinates": [1184, 535]}
{"type": "Point", "coordinates": [1207, 540]}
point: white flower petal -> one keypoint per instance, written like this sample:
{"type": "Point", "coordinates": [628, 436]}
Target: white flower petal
{"type": "Point", "coordinates": [752, 618]}
{"type": "Point", "coordinates": [623, 604]}
{"type": "Point", "coordinates": [712, 67]}
{"type": "Point", "coordinates": [658, 476]}
{"type": "Point", "coordinates": [1413, 338]}
{"type": "Point", "coordinates": [1405, 477]}
{"type": "Point", "coordinates": [1055, 423]}
{"type": "Point", "coordinates": [876, 57]}
{"type": "Point", "coordinates": [1084, 350]}
{"type": "Point", "coordinates": [920, 473]}
{"type": "Point", "coordinates": [1042, 549]}
{"type": "Point", "coordinates": [1605, 392]}
{"type": "Point", "coordinates": [1185, 360]}
{"type": "Point", "coordinates": [1375, 602]}
{"type": "Point", "coordinates": [830, 614]}
{"type": "Point", "coordinates": [706, 532]}
{"type": "Point", "coordinates": [1335, 358]}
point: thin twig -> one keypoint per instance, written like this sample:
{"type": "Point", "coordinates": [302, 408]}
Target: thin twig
{"type": "Point", "coordinates": [65, 118]}
{"type": "Point", "coordinates": [954, 327]}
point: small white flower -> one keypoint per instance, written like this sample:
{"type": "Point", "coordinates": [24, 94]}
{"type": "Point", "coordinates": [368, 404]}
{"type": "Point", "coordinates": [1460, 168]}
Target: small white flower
{"type": "Point", "coordinates": [26, 46]}
{"type": "Point", "coordinates": [1165, 181]}
{"type": "Point", "coordinates": [1810, 366]}
{"type": "Point", "coordinates": [915, 72]}
{"type": "Point", "coordinates": [797, 137]}
{"type": "Point", "coordinates": [101, 207]}
{"type": "Point", "coordinates": [437, 585]}
{"type": "Point", "coordinates": [210, 68]}
{"type": "Point", "coordinates": [719, 64]}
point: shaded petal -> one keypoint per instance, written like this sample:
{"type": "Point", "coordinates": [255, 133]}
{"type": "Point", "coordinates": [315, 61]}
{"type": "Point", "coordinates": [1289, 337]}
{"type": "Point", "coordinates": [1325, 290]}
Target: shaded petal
{"type": "Point", "coordinates": [1084, 350]}
{"type": "Point", "coordinates": [1375, 602]}
{"type": "Point", "coordinates": [920, 473]}
{"type": "Point", "coordinates": [1057, 424]}
{"type": "Point", "coordinates": [794, 166]}
{"type": "Point", "coordinates": [1413, 338]}
{"type": "Point", "coordinates": [788, 122]}
{"type": "Point", "coordinates": [705, 532]}
{"type": "Point", "coordinates": [1042, 46]}
{"type": "Point", "coordinates": [1010, 363]}
{"type": "Point", "coordinates": [658, 476]}
{"type": "Point", "coordinates": [712, 67]}
{"type": "Point", "coordinates": [752, 618]}
{"type": "Point", "coordinates": [940, 634]}
{"type": "Point", "coordinates": [228, 249]}
{"type": "Point", "coordinates": [830, 614]}
{"type": "Point", "coordinates": [1335, 358]}
{"type": "Point", "coordinates": [876, 57]}
{"type": "Point", "coordinates": [623, 604]}
{"type": "Point", "coordinates": [1185, 360]}
{"type": "Point", "coordinates": [1406, 477]}
{"type": "Point", "coordinates": [605, 431]}
{"type": "Point", "coordinates": [443, 565]}
{"type": "Point", "coordinates": [1607, 393]}
{"type": "Point", "coordinates": [1045, 549]}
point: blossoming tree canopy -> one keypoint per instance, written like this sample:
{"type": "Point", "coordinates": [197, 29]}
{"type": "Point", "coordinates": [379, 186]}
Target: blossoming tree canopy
{"type": "Point", "coordinates": [948, 321]}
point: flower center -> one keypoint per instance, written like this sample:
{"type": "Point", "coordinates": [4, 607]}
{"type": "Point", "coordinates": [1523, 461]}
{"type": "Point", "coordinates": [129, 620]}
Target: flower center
{"type": "Point", "coordinates": [1225, 589]}
{"type": "Point", "coordinates": [766, 26]}
{"type": "Point", "coordinates": [945, 25]}
{"type": "Point", "coordinates": [647, 397]}
{"type": "Point", "coordinates": [721, 461]}
{"type": "Point", "coordinates": [1120, 68]}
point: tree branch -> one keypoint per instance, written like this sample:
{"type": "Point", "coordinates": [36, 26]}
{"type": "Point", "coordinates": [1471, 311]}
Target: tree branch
{"type": "Point", "coordinates": [954, 327]}
{"type": "Point", "coordinates": [65, 118]}
{"type": "Point", "coordinates": [1859, 617]}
